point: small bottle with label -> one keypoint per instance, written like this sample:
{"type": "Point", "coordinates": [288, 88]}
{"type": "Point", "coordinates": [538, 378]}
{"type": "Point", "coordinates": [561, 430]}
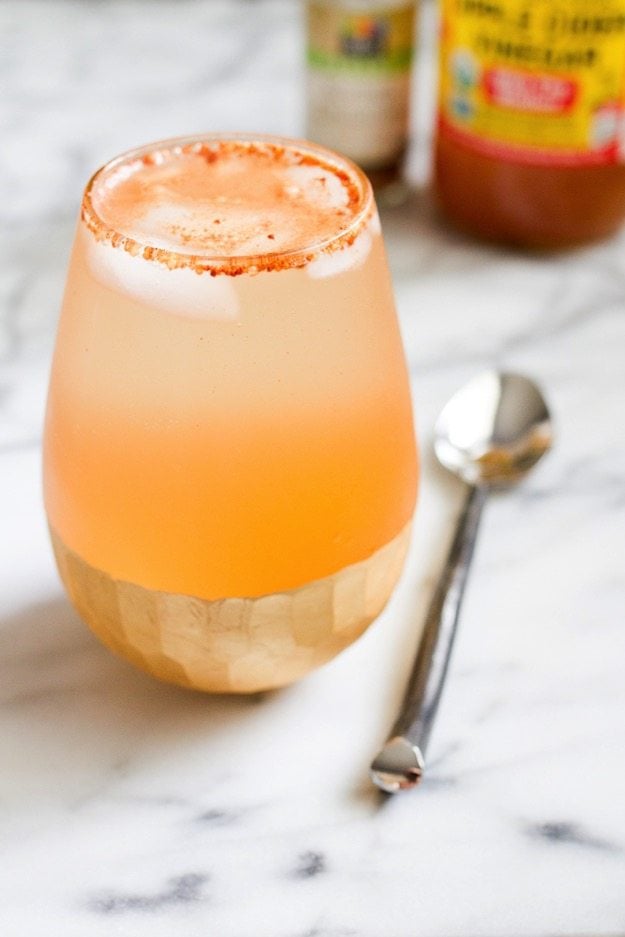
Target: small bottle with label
{"type": "Point", "coordinates": [359, 71]}
{"type": "Point", "coordinates": [531, 129]}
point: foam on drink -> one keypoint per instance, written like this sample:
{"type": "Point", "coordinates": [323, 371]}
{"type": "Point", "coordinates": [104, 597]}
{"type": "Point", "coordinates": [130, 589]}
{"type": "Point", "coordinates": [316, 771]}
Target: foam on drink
{"type": "Point", "coordinates": [223, 207]}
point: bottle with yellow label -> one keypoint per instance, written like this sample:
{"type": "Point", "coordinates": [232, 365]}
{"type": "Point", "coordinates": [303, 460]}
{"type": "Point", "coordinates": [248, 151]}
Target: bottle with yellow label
{"type": "Point", "coordinates": [531, 126]}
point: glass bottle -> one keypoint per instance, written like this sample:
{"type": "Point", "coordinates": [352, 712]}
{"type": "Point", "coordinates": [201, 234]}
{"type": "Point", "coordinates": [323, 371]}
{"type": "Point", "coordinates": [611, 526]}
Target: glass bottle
{"type": "Point", "coordinates": [359, 73]}
{"type": "Point", "coordinates": [530, 144]}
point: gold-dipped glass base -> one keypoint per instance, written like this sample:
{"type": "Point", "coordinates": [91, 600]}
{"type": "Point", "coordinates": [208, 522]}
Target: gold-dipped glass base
{"type": "Point", "coordinates": [233, 645]}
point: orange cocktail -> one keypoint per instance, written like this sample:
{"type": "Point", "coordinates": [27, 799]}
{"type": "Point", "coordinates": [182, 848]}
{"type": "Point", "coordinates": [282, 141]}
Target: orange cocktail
{"type": "Point", "coordinates": [229, 453]}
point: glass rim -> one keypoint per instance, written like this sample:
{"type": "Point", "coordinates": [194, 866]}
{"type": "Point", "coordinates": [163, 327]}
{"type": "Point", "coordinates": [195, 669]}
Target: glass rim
{"type": "Point", "coordinates": [215, 263]}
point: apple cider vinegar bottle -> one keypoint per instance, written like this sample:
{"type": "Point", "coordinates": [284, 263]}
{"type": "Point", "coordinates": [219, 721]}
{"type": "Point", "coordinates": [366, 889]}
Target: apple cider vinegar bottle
{"type": "Point", "coordinates": [531, 127]}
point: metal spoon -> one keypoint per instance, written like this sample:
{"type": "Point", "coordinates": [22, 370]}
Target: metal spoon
{"type": "Point", "coordinates": [490, 434]}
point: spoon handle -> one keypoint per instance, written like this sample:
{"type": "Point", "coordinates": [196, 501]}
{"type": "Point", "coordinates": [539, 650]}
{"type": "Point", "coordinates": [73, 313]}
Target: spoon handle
{"type": "Point", "coordinates": [400, 764]}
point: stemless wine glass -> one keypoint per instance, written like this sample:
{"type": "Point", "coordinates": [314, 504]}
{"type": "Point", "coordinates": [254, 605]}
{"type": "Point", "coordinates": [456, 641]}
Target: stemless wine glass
{"type": "Point", "coordinates": [230, 465]}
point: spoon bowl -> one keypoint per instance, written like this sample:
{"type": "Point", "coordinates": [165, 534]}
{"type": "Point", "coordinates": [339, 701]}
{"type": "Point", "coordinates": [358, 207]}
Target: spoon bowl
{"type": "Point", "coordinates": [493, 430]}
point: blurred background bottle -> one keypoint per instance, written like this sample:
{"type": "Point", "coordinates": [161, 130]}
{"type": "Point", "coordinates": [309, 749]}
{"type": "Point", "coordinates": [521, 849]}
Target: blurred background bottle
{"type": "Point", "coordinates": [359, 55]}
{"type": "Point", "coordinates": [531, 129]}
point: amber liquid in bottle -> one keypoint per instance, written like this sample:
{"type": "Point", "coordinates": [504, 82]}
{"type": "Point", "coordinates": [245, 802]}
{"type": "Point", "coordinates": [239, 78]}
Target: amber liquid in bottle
{"type": "Point", "coordinates": [531, 118]}
{"type": "Point", "coordinates": [542, 207]}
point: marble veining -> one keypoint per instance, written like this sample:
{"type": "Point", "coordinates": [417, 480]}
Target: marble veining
{"type": "Point", "coordinates": [563, 832]}
{"type": "Point", "coordinates": [176, 891]}
{"type": "Point", "coordinates": [138, 809]}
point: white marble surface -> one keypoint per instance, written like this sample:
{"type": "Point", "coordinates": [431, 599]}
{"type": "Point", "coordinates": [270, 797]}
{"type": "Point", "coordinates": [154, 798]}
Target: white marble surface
{"type": "Point", "coordinates": [133, 808]}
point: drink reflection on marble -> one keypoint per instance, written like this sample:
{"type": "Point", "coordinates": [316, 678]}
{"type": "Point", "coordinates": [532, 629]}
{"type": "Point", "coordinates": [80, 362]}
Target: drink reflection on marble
{"type": "Point", "coordinates": [230, 465]}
